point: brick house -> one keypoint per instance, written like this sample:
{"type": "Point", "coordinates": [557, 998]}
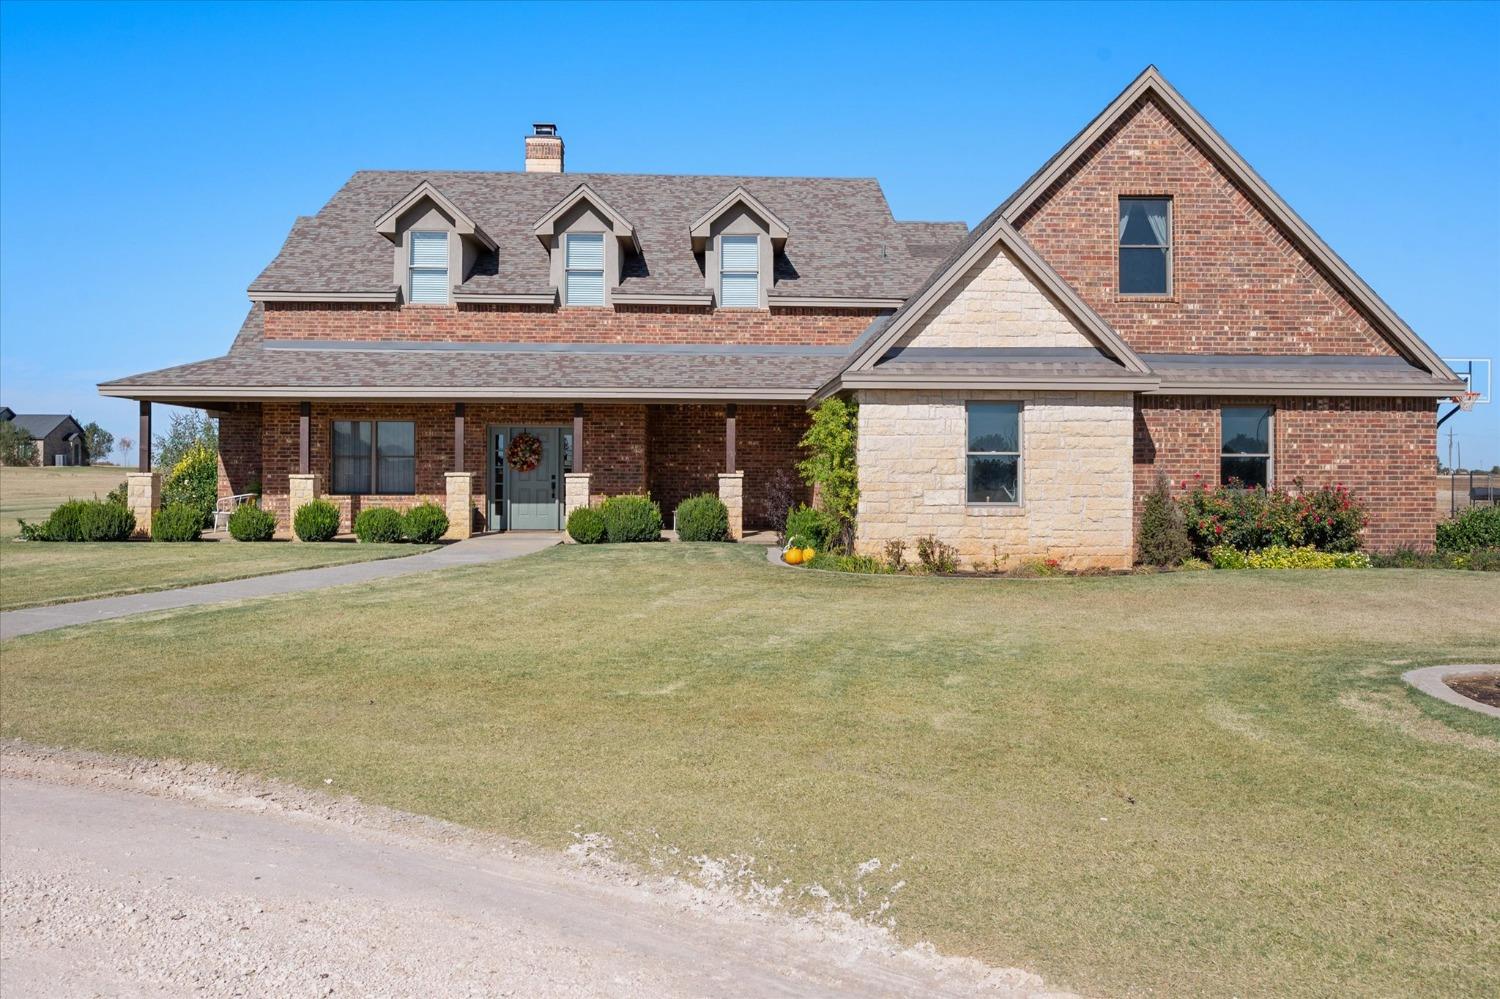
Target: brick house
{"type": "Point", "coordinates": [57, 438]}
{"type": "Point", "coordinates": [1144, 304]}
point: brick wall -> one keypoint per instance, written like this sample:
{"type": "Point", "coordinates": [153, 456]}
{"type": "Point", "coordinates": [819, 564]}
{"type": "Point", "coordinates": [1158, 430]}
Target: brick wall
{"type": "Point", "coordinates": [240, 450]}
{"type": "Point", "coordinates": [544, 324]}
{"type": "Point", "coordinates": [1239, 286]}
{"type": "Point", "coordinates": [1383, 450]}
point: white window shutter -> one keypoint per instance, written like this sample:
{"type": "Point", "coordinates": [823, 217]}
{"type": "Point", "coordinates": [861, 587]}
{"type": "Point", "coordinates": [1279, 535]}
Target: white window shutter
{"type": "Point", "coordinates": [585, 251]}
{"type": "Point", "coordinates": [429, 249]}
{"type": "Point", "coordinates": [739, 272]}
{"type": "Point", "coordinates": [739, 253]}
{"type": "Point", "coordinates": [583, 260]}
{"type": "Point", "coordinates": [429, 267]}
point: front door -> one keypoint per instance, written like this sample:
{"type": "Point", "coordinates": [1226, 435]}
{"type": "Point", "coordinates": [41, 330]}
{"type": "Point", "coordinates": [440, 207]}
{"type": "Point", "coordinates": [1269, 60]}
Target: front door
{"type": "Point", "coordinates": [535, 495]}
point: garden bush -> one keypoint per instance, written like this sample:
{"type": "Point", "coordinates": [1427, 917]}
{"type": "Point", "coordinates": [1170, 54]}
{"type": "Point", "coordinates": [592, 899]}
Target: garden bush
{"type": "Point", "coordinates": [936, 556]}
{"type": "Point", "coordinates": [1327, 518]}
{"type": "Point", "coordinates": [631, 518]}
{"type": "Point", "coordinates": [83, 520]}
{"type": "Point", "coordinates": [812, 528]}
{"type": "Point", "coordinates": [425, 524]}
{"type": "Point", "coordinates": [702, 518]}
{"type": "Point", "coordinates": [378, 525]}
{"type": "Point", "coordinates": [1163, 539]}
{"type": "Point", "coordinates": [194, 482]}
{"type": "Point", "coordinates": [586, 526]}
{"type": "Point", "coordinates": [831, 443]}
{"type": "Point", "coordinates": [65, 523]}
{"type": "Point", "coordinates": [249, 522]}
{"type": "Point", "coordinates": [1285, 557]}
{"type": "Point", "coordinates": [119, 495]}
{"type": "Point", "coordinates": [177, 522]}
{"type": "Point", "coordinates": [316, 521]}
{"type": "Point", "coordinates": [1476, 527]}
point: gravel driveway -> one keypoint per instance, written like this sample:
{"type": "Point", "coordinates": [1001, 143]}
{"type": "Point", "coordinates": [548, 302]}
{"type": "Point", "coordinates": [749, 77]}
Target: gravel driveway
{"type": "Point", "coordinates": [129, 878]}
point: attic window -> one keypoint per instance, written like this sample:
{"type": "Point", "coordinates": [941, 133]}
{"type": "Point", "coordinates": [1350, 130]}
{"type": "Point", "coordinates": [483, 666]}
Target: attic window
{"type": "Point", "coordinates": [429, 268]}
{"type": "Point", "coordinates": [1145, 246]}
{"type": "Point", "coordinates": [739, 272]}
{"type": "Point", "coordinates": [583, 256]}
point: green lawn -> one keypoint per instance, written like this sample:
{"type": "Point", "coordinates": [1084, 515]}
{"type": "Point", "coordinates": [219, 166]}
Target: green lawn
{"type": "Point", "coordinates": [1186, 784]}
{"type": "Point", "coordinates": [33, 574]}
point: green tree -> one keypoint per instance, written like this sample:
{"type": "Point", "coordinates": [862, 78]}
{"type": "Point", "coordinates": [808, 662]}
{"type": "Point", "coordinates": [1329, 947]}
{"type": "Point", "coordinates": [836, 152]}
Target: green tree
{"type": "Point", "coordinates": [1163, 537]}
{"type": "Point", "coordinates": [194, 482]}
{"type": "Point", "coordinates": [16, 447]}
{"type": "Point", "coordinates": [830, 465]}
{"type": "Point", "coordinates": [185, 431]}
{"type": "Point", "coordinates": [98, 441]}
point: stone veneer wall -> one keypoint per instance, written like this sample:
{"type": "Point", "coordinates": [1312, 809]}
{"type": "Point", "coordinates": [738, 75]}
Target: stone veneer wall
{"type": "Point", "coordinates": [1075, 472]}
{"type": "Point", "coordinates": [1383, 450]}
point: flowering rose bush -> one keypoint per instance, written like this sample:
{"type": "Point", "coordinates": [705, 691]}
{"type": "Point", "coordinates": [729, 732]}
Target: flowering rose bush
{"type": "Point", "coordinates": [1327, 518]}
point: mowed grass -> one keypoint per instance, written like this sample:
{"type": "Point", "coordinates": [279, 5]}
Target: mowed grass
{"type": "Point", "coordinates": [1186, 784]}
{"type": "Point", "coordinates": [35, 574]}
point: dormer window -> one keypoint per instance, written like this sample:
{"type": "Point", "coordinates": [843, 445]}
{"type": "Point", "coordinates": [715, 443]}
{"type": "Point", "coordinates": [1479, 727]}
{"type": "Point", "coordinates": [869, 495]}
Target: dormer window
{"type": "Point", "coordinates": [739, 272]}
{"type": "Point", "coordinates": [429, 268]}
{"type": "Point", "coordinates": [584, 264]}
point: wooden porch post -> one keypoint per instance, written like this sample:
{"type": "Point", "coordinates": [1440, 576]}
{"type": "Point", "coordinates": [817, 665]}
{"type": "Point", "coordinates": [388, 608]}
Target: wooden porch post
{"type": "Point", "coordinates": [577, 437]}
{"type": "Point", "coordinates": [304, 436]}
{"type": "Point", "coordinates": [458, 437]}
{"type": "Point", "coordinates": [729, 418]}
{"type": "Point", "coordinates": [144, 462]}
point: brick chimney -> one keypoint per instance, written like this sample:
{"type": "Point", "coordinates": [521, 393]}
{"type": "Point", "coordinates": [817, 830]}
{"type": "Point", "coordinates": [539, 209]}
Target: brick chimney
{"type": "Point", "coordinates": [544, 149]}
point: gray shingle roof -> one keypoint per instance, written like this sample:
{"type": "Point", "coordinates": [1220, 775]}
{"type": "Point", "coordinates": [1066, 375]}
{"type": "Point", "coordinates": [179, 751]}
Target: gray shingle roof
{"type": "Point", "coordinates": [843, 244]}
{"type": "Point", "coordinates": [39, 424]}
{"type": "Point", "coordinates": [1238, 370]}
{"type": "Point", "coordinates": [959, 363]}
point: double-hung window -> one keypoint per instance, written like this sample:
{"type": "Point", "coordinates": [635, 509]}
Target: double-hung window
{"type": "Point", "coordinates": [1245, 446]}
{"type": "Point", "coordinates": [429, 268]}
{"type": "Point", "coordinates": [583, 260]}
{"type": "Point", "coordinates": [1145, 246]}
{"type": "Point", "coordinates": [993, 458]}
{"type": "Point", "coordinates": [739, 272]}
{"type": "Point", "coordinates": [374, 456]}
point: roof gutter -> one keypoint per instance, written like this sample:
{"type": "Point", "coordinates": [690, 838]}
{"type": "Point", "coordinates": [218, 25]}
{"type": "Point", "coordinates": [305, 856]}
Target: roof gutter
{"type": "Point", "coordinates": [437, 393]}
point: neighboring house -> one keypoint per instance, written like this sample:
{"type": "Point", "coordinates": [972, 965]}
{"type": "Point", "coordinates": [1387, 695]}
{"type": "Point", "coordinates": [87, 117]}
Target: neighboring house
{"type": "Point", "coordinates": [57, 437]}
{"type": "Point", "coordinates": [1144, 305]}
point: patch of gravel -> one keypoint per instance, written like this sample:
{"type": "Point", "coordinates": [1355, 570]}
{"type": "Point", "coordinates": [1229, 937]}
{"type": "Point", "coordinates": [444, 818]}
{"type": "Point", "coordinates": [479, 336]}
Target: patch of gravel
{"type": "Point", "coordinates": [230, 885]}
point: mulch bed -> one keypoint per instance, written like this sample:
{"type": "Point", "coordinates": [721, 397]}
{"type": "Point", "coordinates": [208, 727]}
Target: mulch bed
{"type": "Point", "coordinates": [1481, 687]}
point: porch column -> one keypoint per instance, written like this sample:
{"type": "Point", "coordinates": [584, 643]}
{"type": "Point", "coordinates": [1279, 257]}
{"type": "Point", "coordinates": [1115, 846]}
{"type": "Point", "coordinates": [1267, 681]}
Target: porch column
{"type": "Point", "coordinates": [304, 439]}
{"type": "Point", "coordinates": [458, 437]}
{"type": "Point", "coordinates": [577, 438]}
{"type": "Point", "coordinates": [143, 464]}
{"type": "Point", "coordinates": [732, 494]}
{"type": "Point", "coordinates": [143, 497]}
{"type": "Point", "coordinates": [729, 432]}
{"type": "Point", "coordinates": [460, 504]}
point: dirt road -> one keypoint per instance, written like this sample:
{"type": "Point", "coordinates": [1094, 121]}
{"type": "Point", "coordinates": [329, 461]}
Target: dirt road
{"type": "Point", "coordinates": [129, 878]}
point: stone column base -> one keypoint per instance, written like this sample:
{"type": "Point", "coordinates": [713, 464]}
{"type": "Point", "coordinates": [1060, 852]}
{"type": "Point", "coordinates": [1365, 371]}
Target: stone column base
{"type": "Point", "coordinates": [459, 505]}
{"type": "Point", "coordinates": [576, 487]}
{"type": "Point", "coordinates": [143, 497]}
{"type": "Point", "coordinates": [301, 490]}
{"type": "Point", "coordinates": [732, 494]}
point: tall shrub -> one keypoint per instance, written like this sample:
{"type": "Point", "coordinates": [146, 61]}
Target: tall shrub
{"type": "Point", "coordinates": [1475, 528]}
{"type": "Point", "coordinates": [185, 431]}
{"type": "Point", "coordinates": [193, 482]}
{"type": "Point", "coordinates": [831, 466]}
{"type": "Point", "coordinates": [1162, 539]}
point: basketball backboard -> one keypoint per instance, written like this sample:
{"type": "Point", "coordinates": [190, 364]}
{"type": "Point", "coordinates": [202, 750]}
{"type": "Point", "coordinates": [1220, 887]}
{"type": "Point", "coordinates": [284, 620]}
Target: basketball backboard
{"type": "Point", "coordinates": [1475, 371]}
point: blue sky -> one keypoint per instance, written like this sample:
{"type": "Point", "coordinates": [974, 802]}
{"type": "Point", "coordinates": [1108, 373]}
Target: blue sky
{"type": "Point", "coordinates": [152, 158]}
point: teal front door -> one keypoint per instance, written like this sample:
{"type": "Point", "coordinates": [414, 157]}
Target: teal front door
{"type": "Point", "coordinates": [535, 496]}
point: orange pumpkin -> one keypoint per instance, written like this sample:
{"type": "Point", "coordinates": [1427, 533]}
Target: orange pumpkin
{"type": "Point", "coordinates": [792, 556]}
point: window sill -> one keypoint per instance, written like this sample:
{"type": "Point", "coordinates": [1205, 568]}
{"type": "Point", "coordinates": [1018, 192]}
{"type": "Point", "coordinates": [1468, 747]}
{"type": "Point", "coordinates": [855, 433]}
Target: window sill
{"type": "Point", "coordinates": [994, 509]}
{"type": "Point", "coordinates": [1121, 296]}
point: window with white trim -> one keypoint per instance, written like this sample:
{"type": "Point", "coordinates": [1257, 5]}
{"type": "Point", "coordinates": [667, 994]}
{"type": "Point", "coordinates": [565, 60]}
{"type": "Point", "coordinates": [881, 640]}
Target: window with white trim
{"type": "Point", "coordinates": [583, 262]}
{"type": "Point", "coordinates": [1245, 446]}
{"type": "Point", "coordinates": [1145, 246]}
{"type": "Point", "coordinates": [374, 456]}
{"type": "Point", "coordinates": [739, 272]}
{"type": "Point", "coordinates": [429, 268]}
{"type": "Point", "coordinates": [993, 453]}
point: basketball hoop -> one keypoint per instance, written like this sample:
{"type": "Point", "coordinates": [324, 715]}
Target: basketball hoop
{"type": "Point", "coordinates": [1466, 401]}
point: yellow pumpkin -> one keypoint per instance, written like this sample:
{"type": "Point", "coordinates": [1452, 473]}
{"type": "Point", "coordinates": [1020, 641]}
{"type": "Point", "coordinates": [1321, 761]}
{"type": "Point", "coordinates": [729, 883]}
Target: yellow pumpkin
{"type": "Point", "coordinates": [807, 555]}
{"type": "Point", "coordinates": [792, 556]}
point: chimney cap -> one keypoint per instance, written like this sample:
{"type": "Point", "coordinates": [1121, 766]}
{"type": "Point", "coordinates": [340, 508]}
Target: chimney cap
{"type": "Point", "coordinates": [546, 129]}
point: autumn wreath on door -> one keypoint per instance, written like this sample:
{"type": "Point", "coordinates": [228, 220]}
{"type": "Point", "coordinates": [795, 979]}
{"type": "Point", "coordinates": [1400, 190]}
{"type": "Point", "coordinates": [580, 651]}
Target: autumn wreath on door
{"type": "Point", "coordinates": [524, 452]}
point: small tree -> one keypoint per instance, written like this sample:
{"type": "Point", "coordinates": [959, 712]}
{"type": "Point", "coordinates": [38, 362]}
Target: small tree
{"type": "Point", "coordinates": [16, 447]}
{"type": "Point", "coordinates": [184, 432]}
{"type": "Point", "coordinates": [1163, 538]}
{"type": "Point", "coordinates": [193, 482]}
{"type": "Point", "coordinates": [98, 441]}
{"type": "Point", "coordinates": [126, 447]}
{"type": "Point", "coordinates": [830, 466]}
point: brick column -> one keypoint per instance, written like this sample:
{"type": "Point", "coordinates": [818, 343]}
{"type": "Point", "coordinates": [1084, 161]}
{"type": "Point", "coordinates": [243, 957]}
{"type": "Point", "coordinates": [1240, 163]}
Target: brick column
{"type": "Point", "coordinates": [732, 493]}
{"type": "Point", "coordinates": [143, 497]}
{"type": "Point", "coordinates": [575, 492]}
{"type": "Point", "coordinates": [301, 490]}
{"type": "Point", "coordinates": [460, 504]}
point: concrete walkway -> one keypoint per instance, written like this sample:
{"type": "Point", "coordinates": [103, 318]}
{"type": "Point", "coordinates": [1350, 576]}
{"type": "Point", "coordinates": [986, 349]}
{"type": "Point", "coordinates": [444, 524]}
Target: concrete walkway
{"type": "Point", "coordinates": [474, 551]}
{"type": "Point", "coordinates": [1430, 681]}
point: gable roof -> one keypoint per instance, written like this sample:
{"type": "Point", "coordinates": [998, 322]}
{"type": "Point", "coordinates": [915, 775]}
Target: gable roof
{"type": "Point", "coordinates": [1152, 85]}
{"type": "Point", "coordinates": [42, 424]}
{"type": "Point", "coordinates": [546, 226]}
{"type": "Point", "coordinates": [386, 224]}
{"type": "Point", "coordinates": [847, 246]}
{"type": "Point", "coordinates": [739, 196]}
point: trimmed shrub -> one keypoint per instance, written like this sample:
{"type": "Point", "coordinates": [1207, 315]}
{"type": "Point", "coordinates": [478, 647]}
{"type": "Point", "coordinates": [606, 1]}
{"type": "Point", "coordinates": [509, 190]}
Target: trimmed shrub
{"type": "Point", "coordinates": [102, 520]}
{"type": "Point", "coordinates": [813, 528]}
{"type": "Point", "coordinates": [194, 482]}
{"type": "Point", "coordinates": [1163, 539]}
{"type": "Point", "coordinates": [1283, 557]}
{"type": "Point", "coordinates": [249, 522]}
{"type": "Point", "coordinates": [1476, 527]}
{"type": "Point", "coordinates": [425, 524]}
{"type": "Point", "coordinates": [378, 525]}
{"type": "Point", "coordinates": [702, 518]}
{"type": "Point", "coordinates": [1327, 518]}
{"type": "Point", "coordinates": [177, 522]}
{"type": "Point", "coordinates": [631, 518]}
{"type": "Point", "coordinates": [316, 521]}
{"type": "Point", "coordinates": [586, 526]}
{"type": "Point", "coordinates": [65, 523]}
